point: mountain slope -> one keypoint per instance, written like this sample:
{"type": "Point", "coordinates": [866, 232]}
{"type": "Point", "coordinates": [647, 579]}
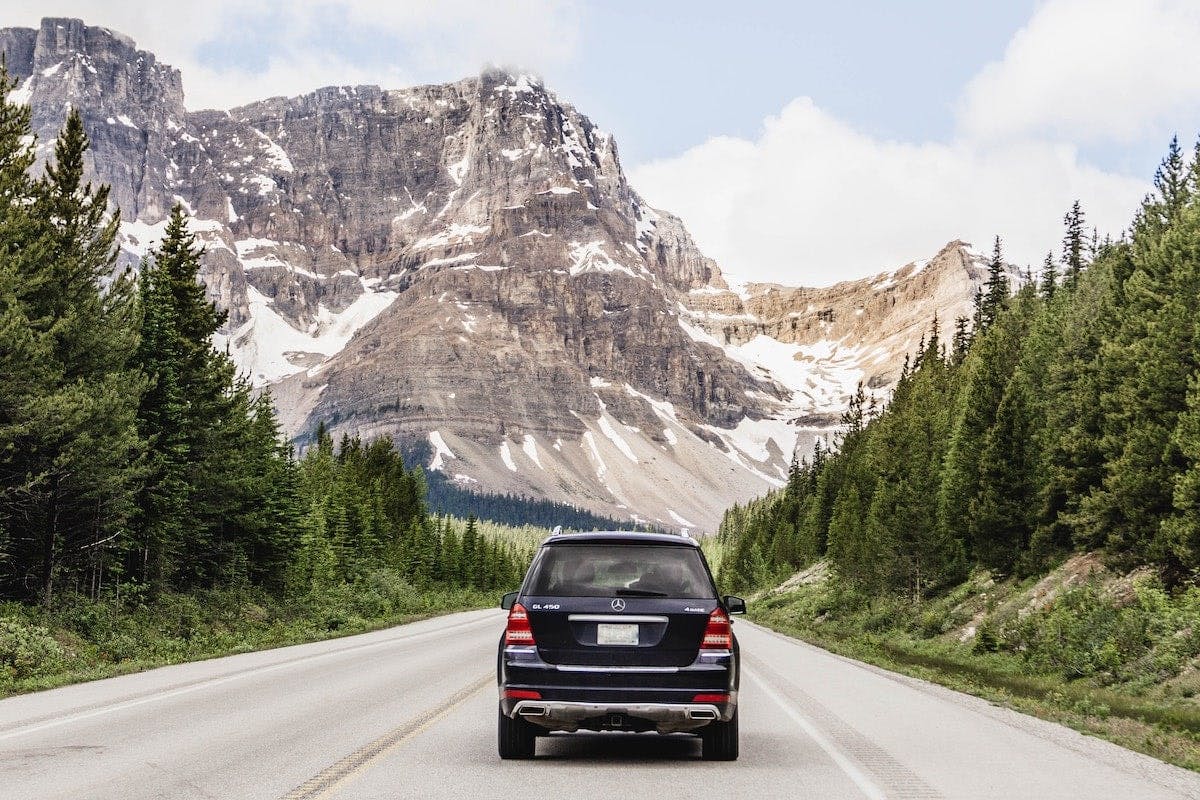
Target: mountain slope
{"type": "Point", "coordinates": [466, 264]}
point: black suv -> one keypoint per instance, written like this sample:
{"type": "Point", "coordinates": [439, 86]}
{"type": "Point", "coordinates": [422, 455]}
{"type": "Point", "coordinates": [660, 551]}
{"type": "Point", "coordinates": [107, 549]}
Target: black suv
{"type": "Point", "coordinates": [619, 631]}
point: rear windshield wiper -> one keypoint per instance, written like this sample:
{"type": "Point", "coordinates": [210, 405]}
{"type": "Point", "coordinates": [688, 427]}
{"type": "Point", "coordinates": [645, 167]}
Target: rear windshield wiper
{"type": "Point", "coordinates": [641, 592]}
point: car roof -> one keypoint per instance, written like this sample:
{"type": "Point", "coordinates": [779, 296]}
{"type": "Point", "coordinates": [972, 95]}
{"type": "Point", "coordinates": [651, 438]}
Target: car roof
{"type": "Point", "coordinates": [619, 537]}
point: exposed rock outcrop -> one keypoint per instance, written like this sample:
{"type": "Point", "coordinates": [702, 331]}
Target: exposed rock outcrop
{"type": "Point", "coordinates": [466, 264]}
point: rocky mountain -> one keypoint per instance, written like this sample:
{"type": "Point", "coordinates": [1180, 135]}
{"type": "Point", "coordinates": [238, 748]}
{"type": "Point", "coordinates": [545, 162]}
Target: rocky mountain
{"type": "Point", "coordinates": [466, 265]}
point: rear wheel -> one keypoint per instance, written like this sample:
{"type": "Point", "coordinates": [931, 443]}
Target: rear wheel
{"type": "Point", "coordinates": [515, 738]}
{"type": "Point", "coordinates": [719, 740]}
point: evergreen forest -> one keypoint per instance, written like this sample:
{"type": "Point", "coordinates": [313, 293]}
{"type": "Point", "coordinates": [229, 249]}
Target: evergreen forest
{"type": "Point", "coordinates": [1064, 416]}
{"type": "Point", "coordinates": [140, 473]}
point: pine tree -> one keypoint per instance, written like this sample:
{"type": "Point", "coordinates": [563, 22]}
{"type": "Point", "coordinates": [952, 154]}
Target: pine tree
{"type": "Point", "coordinates": [26, 371]}
{"type": "Point", "coordinates": [217, 502]}
{"type": "Point", "coordinates": [1072, 460]}
{"type": "Point", "coordinates": [852, 418]}
{"type": "Point", "coordinates": [996, 290]}
{"type": "Point", "coordinates": [1049, 277]}
{"type": "Point", "coordinates": [1171, 180]}
{"type": "Point", "coordinates": [1073, 244]}
{"type": "Point", "coordinates": [962, 340]}
{"type": "Point", "coordinates": [858, 562]}
{"type": "Point", "coordinates": [74, 448]}
{"type": "Point", "coordinates": [795, 477]}
{"type": "Point", "coordinates": [986, 373]}
{"type": "Point", "coordinates": [1145, 372]}
{"type": "Point", "coordinates": [1002, 511]}
{"type": "Point", "coordinates": [1181, 530]}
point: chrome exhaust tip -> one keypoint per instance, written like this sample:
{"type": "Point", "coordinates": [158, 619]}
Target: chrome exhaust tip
{"type": "Point", "coordinates": [532, 711]}
{"type": "Point", "coordinates": [701, 713]}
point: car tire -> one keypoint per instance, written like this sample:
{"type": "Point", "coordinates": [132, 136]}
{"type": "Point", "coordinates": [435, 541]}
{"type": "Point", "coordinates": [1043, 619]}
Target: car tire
{"type": "Point", "coordinates": [515, 738]}
{"type": "Point", "coordinates": [719, 740]}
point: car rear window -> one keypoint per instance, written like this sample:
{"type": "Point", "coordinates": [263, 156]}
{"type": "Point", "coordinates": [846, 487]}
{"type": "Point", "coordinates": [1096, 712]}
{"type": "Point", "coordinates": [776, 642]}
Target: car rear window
{"type": "Point", "coordinates": [621, 571]}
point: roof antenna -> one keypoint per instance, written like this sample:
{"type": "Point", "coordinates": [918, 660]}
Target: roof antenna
{"type": "Point", "coordinates": [557, 530]}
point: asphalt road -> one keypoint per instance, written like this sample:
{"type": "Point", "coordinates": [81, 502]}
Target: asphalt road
{"type": "Point", "coordinates": [410, 712]}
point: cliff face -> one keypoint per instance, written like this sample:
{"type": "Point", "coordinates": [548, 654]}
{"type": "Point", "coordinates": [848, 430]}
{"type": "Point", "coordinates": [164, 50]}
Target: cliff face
{"type": "Point", "coordinates": [864, 326]}
{"type": "Point", "coordinates": [466, 264]}
{"type": "Point", "coordinates": [132, 105]}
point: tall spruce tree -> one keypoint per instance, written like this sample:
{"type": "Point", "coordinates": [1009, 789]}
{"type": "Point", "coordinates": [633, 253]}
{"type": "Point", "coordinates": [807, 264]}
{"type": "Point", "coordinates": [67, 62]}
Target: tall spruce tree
{"type": "Point", "coordinates": [986, 372]}
{"type": "Point", "coordinates": [961, 342]}
{"type": "Point", "coordinates": [1049, 277]}
{"type": "Point", "coordinates": [1002, 512]}
{"type": "Point", "coordinates": [1181, 530]}
{"type": "Point", "coordinates": [75, 451]}
{"type": "Point", "coordinates": [1073, 245]}
{"type": "Point", "coordinates": [26, 373]}
{"type": "Point", "coordinates": [216, 507]}
{"type": "Point", "coordinates": [1145, 374]}
{"type": "Point", "coordinates": [1171, 181]}
{"type": "Point", "coordinates": [995, 290]}
{"type": "Point", "coordinates": [1072, 461]}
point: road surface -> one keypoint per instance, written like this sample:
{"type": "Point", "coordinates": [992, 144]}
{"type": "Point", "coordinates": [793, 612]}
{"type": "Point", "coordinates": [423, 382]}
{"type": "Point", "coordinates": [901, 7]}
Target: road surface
{"type": "Point", "coordinates": [410, 712]}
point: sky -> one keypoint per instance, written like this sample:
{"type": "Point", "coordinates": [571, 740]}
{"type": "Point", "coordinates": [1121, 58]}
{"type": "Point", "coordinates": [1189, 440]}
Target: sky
{"type": "Point", "coordinates": [801, 142]}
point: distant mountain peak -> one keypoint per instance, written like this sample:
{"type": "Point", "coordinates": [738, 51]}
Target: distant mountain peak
{"type": "Point", "coordinates": [465, 265]}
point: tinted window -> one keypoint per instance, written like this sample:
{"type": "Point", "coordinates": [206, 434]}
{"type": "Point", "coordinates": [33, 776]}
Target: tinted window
{"type": "Point", "coordinates": [621, 571]}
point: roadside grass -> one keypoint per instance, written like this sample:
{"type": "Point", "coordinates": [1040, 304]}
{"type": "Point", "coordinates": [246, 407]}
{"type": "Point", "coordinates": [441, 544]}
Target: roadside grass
{"type": "Point", "coordinates": [82, 639]}
{"type": "Point", "coordinates": [1128, 699]}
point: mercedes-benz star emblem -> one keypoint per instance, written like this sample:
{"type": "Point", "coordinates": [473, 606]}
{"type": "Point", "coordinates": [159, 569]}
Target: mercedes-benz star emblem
{"type": "Point", "coordinates": [618, 604]}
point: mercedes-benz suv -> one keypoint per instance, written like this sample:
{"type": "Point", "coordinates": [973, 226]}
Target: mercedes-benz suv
{"type": "Point", "coordinates": [619, 632]}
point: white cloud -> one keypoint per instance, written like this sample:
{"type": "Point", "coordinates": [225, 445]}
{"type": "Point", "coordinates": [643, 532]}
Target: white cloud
{"type": "Point", "coordinates": [813, 201]}
{"type": "Point", "coordinates": [1092, 71]}
{"type": "Point", "coordinates": [810, 200]}
{"type": "Point", "coordinates": [404, 41]}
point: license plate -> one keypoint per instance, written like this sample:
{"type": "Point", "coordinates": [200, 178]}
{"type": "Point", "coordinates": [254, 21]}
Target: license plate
{"type": "Point", "coordinates": [616, 634]}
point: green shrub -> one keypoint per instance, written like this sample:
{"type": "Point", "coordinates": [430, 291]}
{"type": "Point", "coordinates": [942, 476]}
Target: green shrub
{"type": "Point", "coordinates": [1086, 634]}
{"type": "Point", "coordinates": [27, 650]}
{"type": "Point", "coordinates": [987, 638]}
{"type": "Point", "coordinates": [932, 622]}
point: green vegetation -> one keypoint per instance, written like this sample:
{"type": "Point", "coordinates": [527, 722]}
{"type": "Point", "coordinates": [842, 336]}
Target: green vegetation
{"type": "Point", "coordinates": [149, 511]}
{"type": "Point", "coordinates": [84, 639]}
{"type": "Point", "coordinates": [451, 498]}
{"type": "Point", "coordinates": [1062, 419]}
{"type": "Point", "coordinates": [1107, 655]}
{"type": "Point", "coordinates": [1067, 417]}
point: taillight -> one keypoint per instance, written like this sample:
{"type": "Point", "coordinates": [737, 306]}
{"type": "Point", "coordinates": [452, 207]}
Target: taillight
{"type": "Point", "coordinates": [716, 697]}
{"type": "Point", "coordinates": [718, 634]}
{"type": "Point", "coordinates": [525, 694]}
{"type": "Point", "coordinates": [518, 630]}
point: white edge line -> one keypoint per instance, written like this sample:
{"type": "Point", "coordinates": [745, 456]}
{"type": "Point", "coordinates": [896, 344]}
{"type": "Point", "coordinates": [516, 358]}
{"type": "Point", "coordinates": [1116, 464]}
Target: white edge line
{"type": "Point", "coordinates": [252, 672]}
{"type": "Point", "coordinates": [847, 766]}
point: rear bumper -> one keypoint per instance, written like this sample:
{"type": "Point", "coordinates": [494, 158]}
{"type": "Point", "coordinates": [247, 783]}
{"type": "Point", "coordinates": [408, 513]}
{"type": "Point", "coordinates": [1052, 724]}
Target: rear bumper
{"type": "Point", "coordinates": [570, 697]}
{"type": "Point", "coordinates": [664, 717]}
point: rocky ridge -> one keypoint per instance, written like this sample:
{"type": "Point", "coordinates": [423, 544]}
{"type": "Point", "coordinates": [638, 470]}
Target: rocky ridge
{"type": "Point", "coordinates": [466, 265]}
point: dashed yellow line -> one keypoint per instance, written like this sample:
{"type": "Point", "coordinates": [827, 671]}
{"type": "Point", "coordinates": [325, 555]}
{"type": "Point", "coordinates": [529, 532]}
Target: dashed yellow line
{"type": "Point", "coordinates": [327, 780]}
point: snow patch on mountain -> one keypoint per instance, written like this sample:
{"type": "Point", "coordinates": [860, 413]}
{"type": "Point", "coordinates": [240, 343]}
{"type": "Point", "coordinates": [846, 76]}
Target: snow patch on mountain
{"type": "Point", "coordinates": [268, 348]}
{"type": "Point", "coordinates": [589, 440]}
{"type": "Point", "coordinates": [606, 427]}
{"type": "Point", "coordinates": [590, 257]}
{"type": "Point", "coordinates": [680, 520]}
{"type": "Point", "coordinates": [529, 446]}
{"type": "Point", "coordinates": [440, 451]}
{"type": "Point", "coordinates": [506, 456]}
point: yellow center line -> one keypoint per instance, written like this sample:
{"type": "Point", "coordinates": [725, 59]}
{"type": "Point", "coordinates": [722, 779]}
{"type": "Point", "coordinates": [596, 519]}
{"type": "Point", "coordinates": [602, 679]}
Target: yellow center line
{"type": "Point", "coordinates": [332, 777]}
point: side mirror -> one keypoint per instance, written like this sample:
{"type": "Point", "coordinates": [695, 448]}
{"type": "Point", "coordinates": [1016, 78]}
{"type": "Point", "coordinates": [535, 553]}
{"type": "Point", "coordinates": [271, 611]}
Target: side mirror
{"type": "Point", "coordinates": [735, 605]}
{"type": "Point", "coordinates": [507, 601]}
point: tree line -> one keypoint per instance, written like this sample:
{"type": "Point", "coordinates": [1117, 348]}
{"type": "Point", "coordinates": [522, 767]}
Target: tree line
{"type": "Point", "coordinates": [1064, 416]}
{"type": "Point", "coordinates": [516, 509]}
{"type": "Point", "coordinates": [134, 458]}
